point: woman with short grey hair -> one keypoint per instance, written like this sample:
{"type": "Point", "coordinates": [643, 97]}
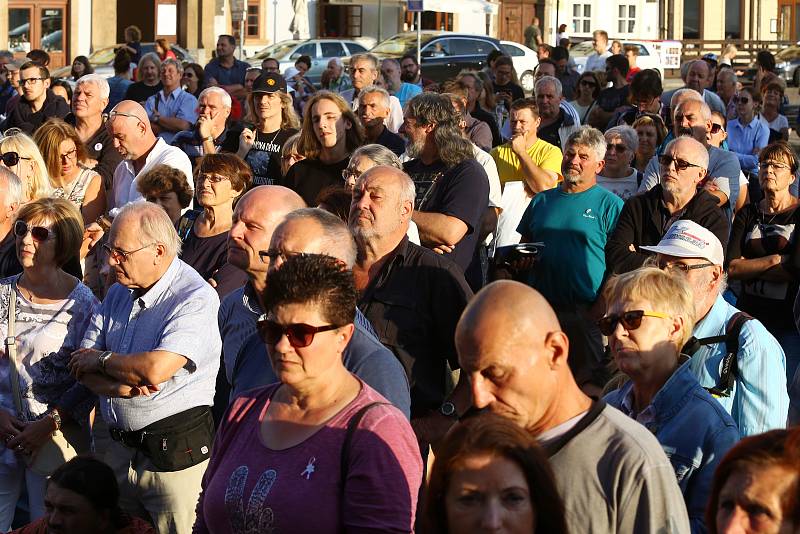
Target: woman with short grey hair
{"type": "Point", "coordinates": [619, 174]}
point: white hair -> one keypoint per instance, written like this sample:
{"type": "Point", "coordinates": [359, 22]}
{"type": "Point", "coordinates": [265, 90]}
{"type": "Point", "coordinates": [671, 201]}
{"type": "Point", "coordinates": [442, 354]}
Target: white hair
{"type": "Point", "coordinates": [700, 151]}
{"type": "Point", "coordinates": [372, 89]}
{"type": "Point", "coordinates": [686, 93]}
{"type": "Point", "coordinates": [549, 79]}
{"type": "Point", "coordinates": [154, 225]}
{"type": "Point", "coordinates": [172, 61]}
{"type": "Point", "coordinates": [98, 81]}
{"type": "Point", "coordinates": [705, 109]}
{"type": "Point", "coordinates": [14, 194]}
{"type": "Point", "coordinates": [626, 133]}
{"type": "Point", "coordinates": [223, 94]}
{"type": "Point", "coordinates": [592, 138]}
{"type": "Point", "coordinates": [335, 236]}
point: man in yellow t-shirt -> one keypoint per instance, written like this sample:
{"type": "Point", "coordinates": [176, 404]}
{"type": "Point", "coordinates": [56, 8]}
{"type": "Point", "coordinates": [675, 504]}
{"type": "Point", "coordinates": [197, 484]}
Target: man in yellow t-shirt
{"type": "Point", "coordinates": [527, 158]}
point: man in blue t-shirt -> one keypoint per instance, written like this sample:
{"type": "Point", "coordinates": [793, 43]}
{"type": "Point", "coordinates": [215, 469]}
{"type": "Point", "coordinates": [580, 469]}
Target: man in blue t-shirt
{"type": "Point", "coordinates": [574, 220]}
{"type": "Point", "coordinates": [225, 70]}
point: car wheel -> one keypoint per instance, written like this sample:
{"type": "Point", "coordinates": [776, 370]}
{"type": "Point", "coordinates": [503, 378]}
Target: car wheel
{"type": "Point", "coordinates": [796, 77]}
{"type": "Point", "coordinates": [526, 81]}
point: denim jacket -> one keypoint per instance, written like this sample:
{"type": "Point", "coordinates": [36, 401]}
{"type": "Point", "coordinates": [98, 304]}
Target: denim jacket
{"type": "Point", "coordinates": [694, 430]}
{"type": "Point", "coordinates": [758, 401]}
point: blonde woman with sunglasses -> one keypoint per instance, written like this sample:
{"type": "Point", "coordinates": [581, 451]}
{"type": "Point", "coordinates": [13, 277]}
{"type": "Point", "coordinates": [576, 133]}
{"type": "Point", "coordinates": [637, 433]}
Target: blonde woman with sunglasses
{"type": "Point", "coordinates": [650, 317]}
{"type": "Point", "coordinates": [19, 153]}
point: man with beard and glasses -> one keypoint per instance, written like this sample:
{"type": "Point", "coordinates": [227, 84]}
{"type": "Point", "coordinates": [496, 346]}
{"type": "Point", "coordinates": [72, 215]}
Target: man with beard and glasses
{"type": "Point", "coordinates": [411, 72]}
{"type": "Point", "coordinates": [692, 118]}
{"type": "Point", "coordinates": [646, 217]}
{"type": "Point", "coordinates": [452, 187]}
{"type": "Point", "coordinates": [574, 222]}
{"type": "Point", "coordinates": [756, 396]}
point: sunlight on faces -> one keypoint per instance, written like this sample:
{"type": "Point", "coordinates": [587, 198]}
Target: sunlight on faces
{"type": "Point", "coordinates": [362, 74]}
{"type": "Point", "coordinates": [642, 350]}
{"type": "Point", "coordinates": [86, 101]}
{"type": "Point", "coordinates": [214, 189]}
{"type": "Point", "coordinates": [140, 268]}
{"type": "Point", "coordinates": [125, 131]}
{"type": "Point", "coordinates": [329, 124]}
{"type": "Point", "coordinates": [698, 77]}
{"type": "Point", "coordinates": [681, 183]}
{"type": "Point", "coordinates": [688, 120]}
{"type": "Point", "coordinates": [618, 157]}
{"type": "Point", "coordinates": [376, 209]}
{"type": "Point", "coordinates": [68, 154]}
{"type": "Point", "coordinates": [580, 164]}
{"type": "Point", "coordinates": [267, 105]}
{"type": "Point", "coordinates": [750, 501]}
{"type": "Point", "coordinates": [648, 137]}
{"type": "Point", "coordinates": [32, 87]}
{"type": "Point", "coordinates": [250, 233]}
{"type": "Point", "coordinates": [372, 110]}
{"type": "Point", "coordinates": [523, 122]}
{"type": "Point", "coordinates": [775, 175]}
{"type": "Point", "coordinates": [548, 100]}
{"type": "Point", "coordinates": [31, 252]}
{"type": "Point", "coordinates": [211, 107]}
{"type": "Point", "coordinates": [700, 280]}
{"type": "Point", "coordinates": [297, 236]}
{"type": "Point", "coordinates": [149, 73]}
{"type": "Point", "coordinates": [488, 493]}
{"type": "Point", "coordinates": [293, 366]}
{"type": "Point", "coordinates": [170, 76]}
{"type": "Point", "coordinates": [357, 166]}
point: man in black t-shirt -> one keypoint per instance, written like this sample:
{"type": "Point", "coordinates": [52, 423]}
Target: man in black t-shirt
{"type": "Point", "coordinates": [331, 132]}
{"type": "Point", "coordinates": [260, 144]}
{"type": "Point", "coordinates": [452, 187]}
{"type": "Point", "coordinates": [612, 98]}
{"type": "Point", "coordinates": [373, 108]}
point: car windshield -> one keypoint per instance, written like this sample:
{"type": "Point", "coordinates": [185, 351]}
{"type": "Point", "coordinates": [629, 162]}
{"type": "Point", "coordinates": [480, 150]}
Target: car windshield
{"type": "Point", "coordinates": [582, 49]}
{"type": "Point", "coordinates": [102, 56]}
{"type": "Point", "coordinates": [400, 44]}
{"type": "Point", "coordinates": [788, 54]}
{"type": "Point", "coordinates": [278, 50]}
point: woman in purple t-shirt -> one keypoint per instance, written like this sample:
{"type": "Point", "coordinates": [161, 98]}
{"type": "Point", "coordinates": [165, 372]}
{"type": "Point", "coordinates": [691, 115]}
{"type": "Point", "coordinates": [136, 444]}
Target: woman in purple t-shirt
{"type": "Point", "coordinates": [320, 451]}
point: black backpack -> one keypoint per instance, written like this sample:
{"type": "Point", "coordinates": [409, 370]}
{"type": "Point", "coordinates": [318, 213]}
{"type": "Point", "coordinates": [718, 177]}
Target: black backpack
{"type": "Point", "coordinates": [727, 375]}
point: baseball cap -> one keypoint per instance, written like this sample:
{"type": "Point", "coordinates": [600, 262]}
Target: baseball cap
{"type": "Point", "coordinates": [15, 63]}
{"type": "Point", "coordinates": [710, 57]}
{"type": "Point", "coordinates": [687, 239]}
{"type": "Point", "coordinates": [269, 83]}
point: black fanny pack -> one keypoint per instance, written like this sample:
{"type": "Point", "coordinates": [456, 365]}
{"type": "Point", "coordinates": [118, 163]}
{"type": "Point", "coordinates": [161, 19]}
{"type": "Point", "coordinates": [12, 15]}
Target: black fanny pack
{"type": "Point", "coordinates": [175, 442]}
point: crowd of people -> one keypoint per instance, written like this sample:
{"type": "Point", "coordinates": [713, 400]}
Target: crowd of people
{"type": "Point", "coordinates": [227, 294]}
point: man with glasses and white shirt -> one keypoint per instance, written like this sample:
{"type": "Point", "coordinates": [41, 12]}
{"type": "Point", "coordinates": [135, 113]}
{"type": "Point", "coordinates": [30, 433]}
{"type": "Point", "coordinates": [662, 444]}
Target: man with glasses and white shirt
{"type": "Point", "coordinates": [37, 103]}
{"type": "Point", "coordinates": [751, 386]}
{"type": "Point", "coordinates": [645, 218]}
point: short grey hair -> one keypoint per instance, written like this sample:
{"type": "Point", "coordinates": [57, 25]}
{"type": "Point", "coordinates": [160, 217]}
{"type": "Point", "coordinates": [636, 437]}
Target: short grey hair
{"type": "Point", "coordinates": [98, 81]}
{"type": "Point", "coordinates": [155, 225]}
{"type": "Point", "coordinates": [377, 154]}
{"type": "Point", "coordinates": [152, 57]}
{"type": "Point", "coordinates": [14, 193]}
{"type": "Point", "coordinates": [337, 61]}
{"type": "Point", "coordinates": [372, 89]}
{"type": "Point", "coordinates": [337, 241]}
{"type": "Point", "coordinates": [391, 60]}
{"type": "Point", "coordinates": [700, 150]}
{"type": "Point", "coordinates": [549, 79]}
{"type": "Point", "coordinates": [728, 73]}
{"type": "Point", "coordinates": [371, 58]}
{"type": "Point", "coordinates": [172, 61]}
{"type": "Point", "coordinates": [223, 94]}
{"type": "Point", "coordinates": [684, 92]}
{"type": "Point", "coordinates": [626, 133]}
{"type": "Point", "coordinates": [705, 109]}
{"type": "Point", "coordinates": [408, 191]}
{"type": "Point", "coordinates": [591, 138]}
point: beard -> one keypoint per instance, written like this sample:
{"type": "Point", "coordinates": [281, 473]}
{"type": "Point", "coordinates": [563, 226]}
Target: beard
{"type": "Point", "coordinates": [406, 77]}
{"type": "Point", "coordinates": [573, 179]}
{"type": "Point", "coordinates": [414, 148]}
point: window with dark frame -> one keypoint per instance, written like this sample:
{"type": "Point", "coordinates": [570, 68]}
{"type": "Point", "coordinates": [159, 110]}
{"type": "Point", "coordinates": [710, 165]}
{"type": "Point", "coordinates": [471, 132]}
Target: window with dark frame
{"type": "Point", "coordinates": [253, 20]}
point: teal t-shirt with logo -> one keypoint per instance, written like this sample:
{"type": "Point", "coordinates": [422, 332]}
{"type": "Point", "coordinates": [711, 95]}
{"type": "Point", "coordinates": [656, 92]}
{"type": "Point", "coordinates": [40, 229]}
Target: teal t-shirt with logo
{"type": "Point", "coordinates": [574, 228]}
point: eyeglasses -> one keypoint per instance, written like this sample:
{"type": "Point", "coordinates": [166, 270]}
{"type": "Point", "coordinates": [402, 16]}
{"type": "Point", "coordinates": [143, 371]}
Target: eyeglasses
{"type": "Point", "coordinates": [70, 154]}
{"type": "Point", "coordinates": [271, 69]}
{"type": "Point", "coordinates": [273, 254]}
{"type": "Point", "coordinates": [119, 255]}
{"type": "Point", "coordinates": [588, 83]}
{"type": "Point", "coordinates": [299, 334]}
{"type": "Point", "coordinates": [122, 114]}
{"type": "Point", "coordinates": [11, 158]}
{"type": "Point", "coordinates": [38, 233]}
{"type": "Point", "coordinates": [213, 178]}
{"type": "Point", "coordinates": [616, 147]}
{"type": "Point", "coordinates": [676, 266]}
{"type": "Point", "coordinates": [30, 81]}
{"type": "Point", "coordinates": [349, 175]}
{"type": "Point", "coordinates": [741, 100]}
{"type": "Point", "coordinates": [765, 165]}
{"type": "Point", "coordinates": [631, 320]}
{"type": "Point", "coordinates": [716, 128]}
{"type": "Point", "coordinates": [680, 164]}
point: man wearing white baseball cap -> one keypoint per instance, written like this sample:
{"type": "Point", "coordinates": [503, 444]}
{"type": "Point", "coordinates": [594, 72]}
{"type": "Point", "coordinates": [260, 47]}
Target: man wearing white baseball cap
{"type": "Point", "coordinates": [733, 355]}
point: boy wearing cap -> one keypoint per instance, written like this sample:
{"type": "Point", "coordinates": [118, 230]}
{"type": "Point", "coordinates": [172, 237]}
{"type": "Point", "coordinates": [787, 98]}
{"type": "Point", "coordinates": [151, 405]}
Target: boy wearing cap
{"type": "Point", "coordinates": [756, 398]}
{"type": "Point", "coordinates": [274, 121]}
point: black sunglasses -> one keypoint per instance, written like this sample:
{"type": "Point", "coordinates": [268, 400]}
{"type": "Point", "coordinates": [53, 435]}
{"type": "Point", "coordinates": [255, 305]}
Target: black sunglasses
{"type": "Point", "coordinates": [11, 158]}
{"type": "Point", "coordinates": [299, 334]}
{"type": "Point", "coordinates": [716, 128]}
{"type": "Point", "coordinates": [680, 164]}
{"type": "Point", "coordinates": [588, 83]}
{"type": "Point", "coordinates": [631, 320]}
{"type": "Point", "coordinates": [38, 233]}
{"type": "Point", "coordinates": [741, 100]}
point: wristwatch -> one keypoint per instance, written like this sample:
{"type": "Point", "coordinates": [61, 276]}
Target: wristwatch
{"type": "Point", "coordinates": [210, 139]}
{"type": "Point", "coordinates": [103, 358]}
{"type": "Point", "coordinates": [56, 419]}
{"type": "Point", "coordinates": [448, 409]}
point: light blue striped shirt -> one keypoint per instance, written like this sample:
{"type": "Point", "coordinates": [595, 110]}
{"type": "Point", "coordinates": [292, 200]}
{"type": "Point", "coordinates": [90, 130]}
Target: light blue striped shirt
{"type": "Point", "coordinates": [747, 141]}
{"type": "Point", "coordinates": [178, 314]}
{"type": "Point", "coordinates": [179, 104]}
{"type": "Point", "coordinates": [759, 400]}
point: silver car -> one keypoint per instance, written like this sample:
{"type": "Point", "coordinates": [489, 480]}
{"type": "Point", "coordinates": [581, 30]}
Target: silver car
{"type": "Point", "coordinates": [319, 50]}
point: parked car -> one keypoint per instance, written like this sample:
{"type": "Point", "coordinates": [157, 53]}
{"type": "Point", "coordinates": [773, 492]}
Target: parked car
{"type": "Point", "coordinates": [103, 59]}
{"type": "Point", "coordinates": [443, 54]}
{"type": "Point", "coordinates": [786, 63]}
{"type": "Point", "coordinates": [525, 62]}
{"type": "Point", "coordinates": [321, 51]}
{"type": "Point", "coordinates": [649, 58]}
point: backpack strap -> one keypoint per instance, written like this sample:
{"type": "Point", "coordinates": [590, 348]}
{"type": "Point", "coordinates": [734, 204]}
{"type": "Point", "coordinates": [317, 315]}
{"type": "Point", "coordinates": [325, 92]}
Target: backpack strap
{"type": "Point", "coordinates": [352, 425]}
{"type": "Point", "coordinates": [729, 361]}
{"type": "Point", "coordinates": [639, 177]}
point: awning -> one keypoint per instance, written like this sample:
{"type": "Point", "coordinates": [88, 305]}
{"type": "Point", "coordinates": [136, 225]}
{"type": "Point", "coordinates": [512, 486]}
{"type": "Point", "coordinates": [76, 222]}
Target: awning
{"type": "Point", "coordinates": [444, 6]}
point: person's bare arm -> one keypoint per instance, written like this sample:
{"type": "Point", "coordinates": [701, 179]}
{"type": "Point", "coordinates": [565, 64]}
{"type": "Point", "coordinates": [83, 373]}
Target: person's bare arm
{"type": "Point", "coordinates": [236, 90]}
{"type": "Point", "coordinates": [439, 229]}
{"type": "Point", "coordinates": [767, 268]}
{"type": "Point", "coordinates": [536, 178]}
{"type": "Point", "coordinates": [139, 369]}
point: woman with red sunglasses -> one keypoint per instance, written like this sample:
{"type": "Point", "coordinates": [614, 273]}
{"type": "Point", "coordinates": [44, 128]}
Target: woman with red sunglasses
{"type": "Point", "coordinates": [650, 317]}
{"type": "Point", "coordinates": [319, 451]}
